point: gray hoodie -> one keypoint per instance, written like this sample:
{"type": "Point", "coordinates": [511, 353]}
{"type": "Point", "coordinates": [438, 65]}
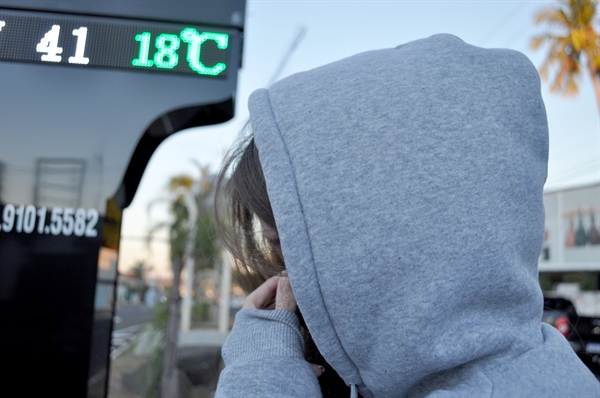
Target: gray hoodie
{"type": "Point", "coordinates": [406, 186]}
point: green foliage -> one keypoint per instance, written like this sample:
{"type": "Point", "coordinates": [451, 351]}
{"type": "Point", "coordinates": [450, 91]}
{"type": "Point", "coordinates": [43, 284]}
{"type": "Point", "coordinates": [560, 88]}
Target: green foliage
{"type": "Point", "coordinates": [140, 270]}
{"type": "Point", "coordinates": [161, 314]}
{"type": "Point", "coordinates": [150, 373]}
{"type": "Point", "coordinates": [205, 249]}
{"type": "Point", "coordinates": [152, 341]}
{"type": "Point", "coordinates": [151, 376]}
{"type": "Point", "coordinates": [185, 197]}
{"type": "Point", "coordinates": [205, 246]}
{"type": "Point", "coordinates": [201, 311]}
{"type": "Point", "coordinates": [546, 282]}
{"type": "Point", "coordinates": [586, 280]}
{"type": "Point", "coordinates": [179, 230]}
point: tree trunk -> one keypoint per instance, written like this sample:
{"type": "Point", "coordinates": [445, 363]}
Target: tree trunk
{"type": "Point", "coordinates": [169, 381]}
{"type": "Point", "coordinates": [595, 81]}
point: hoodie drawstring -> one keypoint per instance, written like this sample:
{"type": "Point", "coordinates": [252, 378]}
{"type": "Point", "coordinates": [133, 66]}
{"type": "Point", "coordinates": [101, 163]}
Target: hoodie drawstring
{"type": "Point", "coordinates": [353, 392]}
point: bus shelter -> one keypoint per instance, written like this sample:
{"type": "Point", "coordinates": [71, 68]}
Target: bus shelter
{"type": "Point", "coordinates": [88, 90]}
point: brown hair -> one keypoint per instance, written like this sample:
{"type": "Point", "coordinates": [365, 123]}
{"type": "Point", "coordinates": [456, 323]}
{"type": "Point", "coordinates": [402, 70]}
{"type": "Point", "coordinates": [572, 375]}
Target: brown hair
{"type": "Point", "coordinates": [247, 227]}
{"type": "Point", "coordinates": [243, 212]}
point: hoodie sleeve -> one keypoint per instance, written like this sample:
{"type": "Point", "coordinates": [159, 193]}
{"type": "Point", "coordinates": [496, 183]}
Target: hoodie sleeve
{"type": "Point", "coordinates": [264, 358]}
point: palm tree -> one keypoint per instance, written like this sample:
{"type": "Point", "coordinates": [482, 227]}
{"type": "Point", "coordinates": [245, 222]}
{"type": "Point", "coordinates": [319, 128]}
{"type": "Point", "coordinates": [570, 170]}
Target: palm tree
{"type": "Point", "coordinates": [205, 248]}
{"type": "Point", "coordinates": [139, 270]}
{"type": "Point", "coordinates": [198, 241]}
{"type": "Point", "coordinates": [574, 46]}
{"type": "Point", "coordinates": [179, 232]}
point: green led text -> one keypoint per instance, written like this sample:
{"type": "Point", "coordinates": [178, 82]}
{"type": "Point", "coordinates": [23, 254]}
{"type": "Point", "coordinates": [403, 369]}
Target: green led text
{"type": "Point", "coordinates": [142, 60]}
{"type": "Point", "coordinates": [166, 57]}
{"type": "Point", "coordinates": [167, 45]}
{"type": "Point", "coordinates": [195, 41]}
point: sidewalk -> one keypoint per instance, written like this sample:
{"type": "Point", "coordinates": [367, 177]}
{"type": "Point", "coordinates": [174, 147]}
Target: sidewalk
{"type": "Point", "coordinates": [122, 367]}
{"type": "Point", "coordinates": [199, 371]}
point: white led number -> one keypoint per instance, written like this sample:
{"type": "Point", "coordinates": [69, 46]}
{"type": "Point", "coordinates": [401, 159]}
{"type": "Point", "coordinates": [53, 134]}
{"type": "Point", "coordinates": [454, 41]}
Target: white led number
{"type": "Point", "coordinates": [41, 219]}
{"type": "Point", "coordinates": [56, 221]}
{"type": "Point", "coordinates": [19, 211]}
{"type": "Point", "coordinates": [29, 219]}
{"type": "Point", "coordinates": [81, 35]}
{"type": "Point", "coordinates": [49, 45]}
{"type": "Point", "coordinates": [92, 216]}
{"type": "Point", "coordinates": [65, 221]}
{"type": "Point", "coordinates": [68, 221]}
{"type": "Point", "coordinates": [79, 228]}
{"type": "Point", "coordinates": [8, 217]}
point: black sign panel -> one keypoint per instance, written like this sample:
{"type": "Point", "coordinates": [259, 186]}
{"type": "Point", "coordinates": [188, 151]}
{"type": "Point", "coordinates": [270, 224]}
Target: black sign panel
{"type": "Point", "coordinates": [46, 303]}
{"type": "Point", "coordinates": [88, 90]}
{"type": "Point", "coordinates": [114, 44]}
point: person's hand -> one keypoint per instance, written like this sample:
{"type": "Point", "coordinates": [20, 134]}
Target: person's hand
{"type": "Point", "coordinates": [278, 288]}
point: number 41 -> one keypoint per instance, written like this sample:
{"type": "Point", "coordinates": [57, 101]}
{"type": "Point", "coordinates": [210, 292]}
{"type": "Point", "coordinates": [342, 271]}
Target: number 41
{"type": "Point", "coordinates": [49, 46]}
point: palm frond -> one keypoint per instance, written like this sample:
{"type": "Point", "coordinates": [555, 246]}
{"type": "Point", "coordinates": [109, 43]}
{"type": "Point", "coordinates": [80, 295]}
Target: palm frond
{"type": "Point", "coordinates": [552, 17]}
{"type": "Point", "coordinates": [183, 181]}
{"type": "Point", "coordinates": [571, 41]}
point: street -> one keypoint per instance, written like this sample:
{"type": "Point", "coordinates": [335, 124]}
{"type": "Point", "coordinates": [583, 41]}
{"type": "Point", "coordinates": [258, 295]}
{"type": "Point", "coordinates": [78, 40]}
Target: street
{"type": "Point", "coordinates": [129, 320]}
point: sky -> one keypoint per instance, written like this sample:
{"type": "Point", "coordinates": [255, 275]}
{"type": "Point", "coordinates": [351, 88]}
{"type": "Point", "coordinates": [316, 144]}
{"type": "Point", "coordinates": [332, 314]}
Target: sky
{"type": "Point", "coordinates": [338, 29]}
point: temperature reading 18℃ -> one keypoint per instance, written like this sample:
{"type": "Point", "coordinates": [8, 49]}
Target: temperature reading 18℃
{"type": "Point", "coordinates": [166, 56]}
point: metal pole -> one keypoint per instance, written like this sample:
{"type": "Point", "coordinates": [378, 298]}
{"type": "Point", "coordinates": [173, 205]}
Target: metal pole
{"type": "Point", "coordinates": [186, 305]}
{"type": "Point", "coordinates": [225, 292]}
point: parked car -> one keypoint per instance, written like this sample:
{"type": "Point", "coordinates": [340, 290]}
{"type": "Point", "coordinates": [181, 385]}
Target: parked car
{"type": "Point", "coordinates": [583, 333]}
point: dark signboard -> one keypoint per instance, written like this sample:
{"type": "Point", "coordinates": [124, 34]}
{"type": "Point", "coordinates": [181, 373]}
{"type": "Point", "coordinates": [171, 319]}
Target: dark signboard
{"type": "Point", "coordinates": [88, 90]}
{"type": "Point", "coordinates": [52, 39]}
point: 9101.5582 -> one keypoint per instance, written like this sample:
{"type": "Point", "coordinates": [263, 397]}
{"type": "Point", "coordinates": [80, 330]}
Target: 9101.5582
{"type": "Point", "coordinates": [64, 221]}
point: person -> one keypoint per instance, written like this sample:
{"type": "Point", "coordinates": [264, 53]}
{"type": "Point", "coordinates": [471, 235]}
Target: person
{"type": "Point", "coordinates": [401, 191]}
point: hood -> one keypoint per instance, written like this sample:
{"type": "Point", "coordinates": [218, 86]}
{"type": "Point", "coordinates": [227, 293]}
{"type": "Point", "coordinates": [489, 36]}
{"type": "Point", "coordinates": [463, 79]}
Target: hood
{"type": "Point", "coordinates": [406, 184]}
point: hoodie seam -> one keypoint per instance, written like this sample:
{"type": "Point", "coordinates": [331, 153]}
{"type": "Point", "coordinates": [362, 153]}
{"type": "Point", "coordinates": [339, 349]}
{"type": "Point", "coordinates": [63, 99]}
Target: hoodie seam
{"type": "Point", "coordinates": [285, 146]}
{"type": "Point", "coordinates": [492, 384]}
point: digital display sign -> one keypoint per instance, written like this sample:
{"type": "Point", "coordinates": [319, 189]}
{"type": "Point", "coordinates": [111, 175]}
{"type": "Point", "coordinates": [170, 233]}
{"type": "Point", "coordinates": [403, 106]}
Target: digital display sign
{"type": "Point", "coordinates": [98, 42]}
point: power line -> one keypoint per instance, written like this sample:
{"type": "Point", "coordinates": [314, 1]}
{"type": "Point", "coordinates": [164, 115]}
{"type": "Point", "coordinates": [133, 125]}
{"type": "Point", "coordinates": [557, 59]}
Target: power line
{"type": "Point", "coordinates": [516, 34]}
{"type": "Point", "coordinates": [577, 173]}
{"type": "Point", "coordinates": [145, 238]}
{"type": "Point", "coordinates": [581, 165]}
{"type": "Point", "coordinates": [504, 20]}
{"type": "Point", "coordinates": [566, 152]}
{"type": "Point", "coordinates": [287, 55]}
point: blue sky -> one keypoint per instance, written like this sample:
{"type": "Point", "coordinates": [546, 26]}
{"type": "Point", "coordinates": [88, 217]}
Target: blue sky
{"type": "Point", "coordinates": [337, 29]}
